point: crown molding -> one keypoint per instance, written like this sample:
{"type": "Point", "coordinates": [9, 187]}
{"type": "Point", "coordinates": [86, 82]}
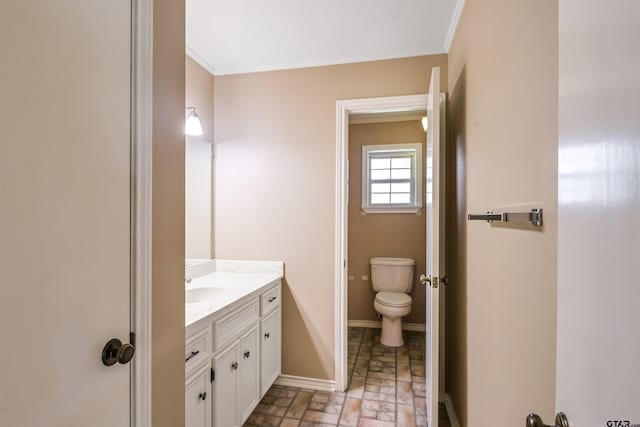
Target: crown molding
{"type": "Point", "coordinates": [303, 64]}
{"type": "Point", "coordinates": [200, 60]}
{"type": "Point", "coordinates": [453, 25]}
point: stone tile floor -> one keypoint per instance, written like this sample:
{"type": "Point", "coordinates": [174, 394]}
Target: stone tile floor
{"type": "Point", "coordinates": [386, 389]}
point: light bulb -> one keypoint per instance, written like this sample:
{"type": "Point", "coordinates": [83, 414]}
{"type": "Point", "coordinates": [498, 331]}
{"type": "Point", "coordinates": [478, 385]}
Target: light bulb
{"type": "Point", "coordinates": [192, 126]}
{"type": "Point", "coordinates": [425, 123]}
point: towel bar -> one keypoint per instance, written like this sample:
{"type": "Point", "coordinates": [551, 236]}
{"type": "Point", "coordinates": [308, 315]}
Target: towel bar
{"type": "Point", "coordinates": [534, 217]}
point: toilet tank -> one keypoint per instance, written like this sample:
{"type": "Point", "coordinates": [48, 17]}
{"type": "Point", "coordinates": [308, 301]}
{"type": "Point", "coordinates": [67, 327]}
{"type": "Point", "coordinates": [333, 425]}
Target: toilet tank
{"type": "Point", "coordinates": [392, 274]}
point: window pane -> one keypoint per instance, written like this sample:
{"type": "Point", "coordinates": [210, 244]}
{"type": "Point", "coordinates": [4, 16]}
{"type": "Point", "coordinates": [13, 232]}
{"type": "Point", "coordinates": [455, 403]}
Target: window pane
{"type": "Point", "coordinates": [380, 199]}
{"type": "Point", "coordinates": [401, 174]}
{"type": "Point", "coordinates": [401, 187]}
{"type": "Point", "coordinates": [401, 163]}
{"type": "Point", "coordinates": [380, 163]}
{"type": "Point", "coordinates": [380, 188]}
{"type": "Point", "coordinates": [380, 174]}
{"type": "Point", "coordinates": [400, 198]}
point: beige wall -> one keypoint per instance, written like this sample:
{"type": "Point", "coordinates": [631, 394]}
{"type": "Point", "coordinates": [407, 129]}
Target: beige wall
{"type": "Point", "coordinates": [274, 170]}
{"type": "Point", "coordinates": [503, 78]}
{"type": "Point", "coordinates": [372, 235]}
{"type": "Point", "coordinates": [198, 188]}
{"type": "Point", "coordinates": [168, 214]}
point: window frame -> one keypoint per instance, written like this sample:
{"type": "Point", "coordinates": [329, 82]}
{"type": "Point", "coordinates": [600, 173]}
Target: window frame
{"type": "Point", "coordinates": [413, 150]}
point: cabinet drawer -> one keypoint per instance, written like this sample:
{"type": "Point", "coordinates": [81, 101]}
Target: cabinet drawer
{"type": "Point", "coordinates": [270, 300]}
{"type": "Point", "coordinates": [197, 348]}
{"type": "Point", "coordinates": [225, 329]}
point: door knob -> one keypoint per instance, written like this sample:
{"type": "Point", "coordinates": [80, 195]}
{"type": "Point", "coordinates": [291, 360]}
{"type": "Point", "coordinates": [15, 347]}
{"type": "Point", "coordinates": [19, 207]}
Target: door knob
{"type": "Point", "coordinates": [114, 351]}
{"type": "Point", "coordinates": [424, 279]}
{"type": "Point", "coordinates": [534, 420]}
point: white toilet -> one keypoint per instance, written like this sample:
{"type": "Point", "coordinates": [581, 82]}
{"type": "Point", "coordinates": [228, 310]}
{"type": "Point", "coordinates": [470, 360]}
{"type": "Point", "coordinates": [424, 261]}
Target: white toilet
{"type": "Point", "coordinates": [392, 280]}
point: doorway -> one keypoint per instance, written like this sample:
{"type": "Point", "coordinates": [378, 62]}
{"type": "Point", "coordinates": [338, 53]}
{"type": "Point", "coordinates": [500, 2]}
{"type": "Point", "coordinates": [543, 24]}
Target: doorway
{"type": "Point", "coordinates": [386, 226]}
{"type": "Point", "coordinates": [362, 110]}
{"type": "Point", "coordinates": [409, 107]}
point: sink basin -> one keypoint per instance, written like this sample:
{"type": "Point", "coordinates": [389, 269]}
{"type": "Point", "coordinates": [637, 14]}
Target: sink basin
{"type": "Point", "coordinates": [193, 296]}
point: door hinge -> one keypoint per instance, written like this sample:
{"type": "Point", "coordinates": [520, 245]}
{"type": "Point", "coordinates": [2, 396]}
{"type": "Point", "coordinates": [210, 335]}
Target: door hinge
{"type": "Point", "coordinates": [213, 375]}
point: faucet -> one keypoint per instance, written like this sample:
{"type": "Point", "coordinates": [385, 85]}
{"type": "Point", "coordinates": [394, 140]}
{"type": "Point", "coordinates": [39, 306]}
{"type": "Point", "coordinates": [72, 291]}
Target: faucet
{"type": "Point", "coordinates": [187, 279]}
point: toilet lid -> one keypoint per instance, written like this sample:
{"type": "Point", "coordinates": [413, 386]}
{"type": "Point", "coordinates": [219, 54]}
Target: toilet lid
{"type": "Point", "coordinates": [393, 299]}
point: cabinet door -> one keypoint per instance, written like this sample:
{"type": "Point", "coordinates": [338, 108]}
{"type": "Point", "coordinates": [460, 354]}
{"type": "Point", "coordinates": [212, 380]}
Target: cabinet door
{"type": "Point", "coordinates": [249, 373]}
{"type": "Point", "coordinates": [226, 388]}
{"type": "Point", "coordinates": [270, 350]}
{"type": "Point", "coordinates": [198, 399]}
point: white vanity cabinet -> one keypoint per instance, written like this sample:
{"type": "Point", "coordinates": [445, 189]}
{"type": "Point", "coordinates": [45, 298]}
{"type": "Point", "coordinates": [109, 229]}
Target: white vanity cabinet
{"type": "Point", "coordinates": [237, 353]}
{"type": "Point", "coordinates": [249, 373]}
{"type": "Point", "coordinates": [198, 398]}
{"type": "Point", "coordinates": [226, 388]}
{"type": "Point", "coordinates": [271, 337]}
{"type": "Point", "coordinates": [237, 381]}
{"type": "Point", "coordinates": [198, 372]}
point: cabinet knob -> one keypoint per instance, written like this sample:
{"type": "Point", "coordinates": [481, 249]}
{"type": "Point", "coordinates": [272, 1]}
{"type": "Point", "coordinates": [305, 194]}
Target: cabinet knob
{"type": "Point", "coordinates": [266, 335]}
{"type": "Point", "coordinates": [247, 354]}
{"type": "Point", "coordinates": [203, 396]}
{"type": "Point", "coordinates": [234, 365]}
{"type": "Point", "coordinates": [272, 299]}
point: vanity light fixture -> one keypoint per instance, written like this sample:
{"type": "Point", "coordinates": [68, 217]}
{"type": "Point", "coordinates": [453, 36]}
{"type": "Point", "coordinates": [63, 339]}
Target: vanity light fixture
{"type": "Point", "coordinates": [192, 126]}
{"type": "Point", "coordinates": [425, 123]}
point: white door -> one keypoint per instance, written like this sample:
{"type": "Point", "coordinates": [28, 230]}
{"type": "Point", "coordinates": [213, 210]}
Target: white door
{"type": "Point", "coordinates": [598, 337]}
{"type": "Point", "coordinates": [225, 409]}
{"type": "Point", "coordinates": [435, 244]}
{"type": "Point", "coordinates": [271, 350]}
{"type": "Point", "coordinates": [249, 373]}
{"type": "Point", "coordinates": [64, 211]}
{"type": "Point", "coordinates": [198, 399]}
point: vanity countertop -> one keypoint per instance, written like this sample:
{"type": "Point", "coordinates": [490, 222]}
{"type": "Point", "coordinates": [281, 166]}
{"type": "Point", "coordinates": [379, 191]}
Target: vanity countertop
{"type": "Point", "coordinates": [217, 284]}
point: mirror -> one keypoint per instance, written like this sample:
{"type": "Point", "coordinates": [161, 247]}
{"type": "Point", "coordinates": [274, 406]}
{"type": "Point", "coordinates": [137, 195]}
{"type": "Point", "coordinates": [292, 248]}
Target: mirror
{"type": "Point", "coordinates": [198, 163]}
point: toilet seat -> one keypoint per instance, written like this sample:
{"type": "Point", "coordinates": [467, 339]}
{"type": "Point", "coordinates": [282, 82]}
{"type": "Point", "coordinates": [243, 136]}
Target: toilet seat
{"type": "Point", "coordinates": [393, 299]}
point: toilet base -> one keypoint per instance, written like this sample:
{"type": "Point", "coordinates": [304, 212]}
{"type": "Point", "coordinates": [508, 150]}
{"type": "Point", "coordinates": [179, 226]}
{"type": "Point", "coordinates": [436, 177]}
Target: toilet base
{"type": "Point", "coordinates": [391, 335]}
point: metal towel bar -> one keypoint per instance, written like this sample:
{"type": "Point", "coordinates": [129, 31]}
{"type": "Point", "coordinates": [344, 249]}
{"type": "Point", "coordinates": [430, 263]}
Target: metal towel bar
{"type": "Point", "coordinates": [534, 217]}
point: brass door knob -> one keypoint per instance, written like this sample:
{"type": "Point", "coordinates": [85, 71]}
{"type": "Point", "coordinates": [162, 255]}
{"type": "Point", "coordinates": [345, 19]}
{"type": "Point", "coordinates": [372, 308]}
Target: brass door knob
{"type": "Point", "coordinates": [115, 351]}
{"type": "Point", "coordinates": [534, 420]}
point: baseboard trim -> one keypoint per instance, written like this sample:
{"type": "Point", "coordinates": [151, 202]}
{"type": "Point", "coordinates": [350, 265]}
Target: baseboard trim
{"type": "Point", "coordinates": [418, 327]}
{"type": "Point", "coordinates": [308, 383]}
{"type": "Point", "coordinates": [451, 410]}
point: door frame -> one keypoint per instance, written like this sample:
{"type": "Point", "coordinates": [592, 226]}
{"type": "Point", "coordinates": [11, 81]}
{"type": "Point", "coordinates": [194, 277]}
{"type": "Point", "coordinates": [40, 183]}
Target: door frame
{"type": "Point", "coordinates": [141, 186]}
{"type": "Point", "coordinates": [407, 103]}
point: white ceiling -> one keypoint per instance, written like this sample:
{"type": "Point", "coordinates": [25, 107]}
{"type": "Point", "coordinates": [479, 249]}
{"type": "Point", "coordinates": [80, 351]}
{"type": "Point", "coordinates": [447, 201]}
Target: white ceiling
{"type": "Point", "coordinates": [241, 36]}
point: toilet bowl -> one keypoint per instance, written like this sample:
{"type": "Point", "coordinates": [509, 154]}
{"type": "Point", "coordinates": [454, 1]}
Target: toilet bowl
{"type": "Point", "coordinates": [393, 306]}
{"type": "Point", "coordinates": [392, 279]}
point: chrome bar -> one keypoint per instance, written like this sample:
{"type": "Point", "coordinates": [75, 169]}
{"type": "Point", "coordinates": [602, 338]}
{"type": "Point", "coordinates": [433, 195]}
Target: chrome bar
{"type": "Point", "coordinates": [489, 217]}
{"type": "Point", "coordinates": [534, 217]}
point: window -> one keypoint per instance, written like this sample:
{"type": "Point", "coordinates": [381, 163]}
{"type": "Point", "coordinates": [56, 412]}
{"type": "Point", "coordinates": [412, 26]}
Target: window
{"type": "Point", "coordinates": [392, 178]}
